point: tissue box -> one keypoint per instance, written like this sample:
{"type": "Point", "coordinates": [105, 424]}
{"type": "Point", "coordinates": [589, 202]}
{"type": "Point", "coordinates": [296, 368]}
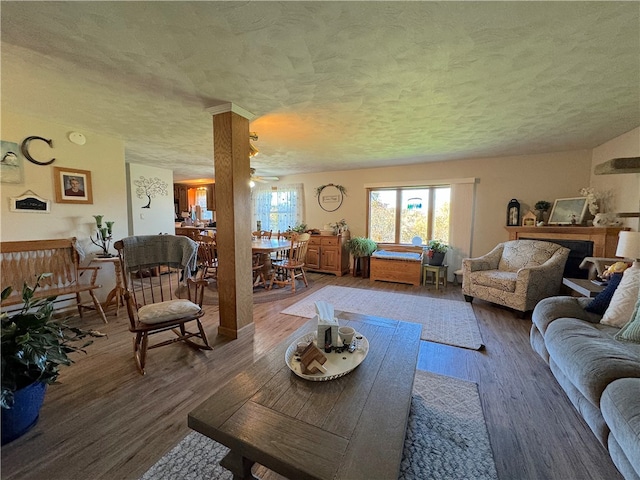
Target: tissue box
{"type": "Point", "coordinates": [323, 326]}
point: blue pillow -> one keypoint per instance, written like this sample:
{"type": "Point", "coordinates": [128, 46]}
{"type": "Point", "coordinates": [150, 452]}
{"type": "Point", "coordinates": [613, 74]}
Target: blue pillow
{"type": "Point", "coordinates": [600, 303]}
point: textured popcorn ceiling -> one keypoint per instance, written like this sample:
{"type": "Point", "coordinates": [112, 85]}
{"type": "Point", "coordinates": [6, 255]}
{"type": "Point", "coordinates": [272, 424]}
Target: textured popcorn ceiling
{"type": "Point", "coordinates": [333, 85]}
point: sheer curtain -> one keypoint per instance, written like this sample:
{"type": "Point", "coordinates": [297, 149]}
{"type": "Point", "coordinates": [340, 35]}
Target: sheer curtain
{"type": "Point", "coordinates": [278, 208]}
{"type": "Point", "coordinates": [201, 197]}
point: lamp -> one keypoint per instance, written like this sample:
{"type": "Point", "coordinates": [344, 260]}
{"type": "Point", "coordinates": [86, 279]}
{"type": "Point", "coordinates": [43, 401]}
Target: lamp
{"type": "Point", "coordinates": [629, 246]}
{"type": "Point", "coordinates": [253, 151]}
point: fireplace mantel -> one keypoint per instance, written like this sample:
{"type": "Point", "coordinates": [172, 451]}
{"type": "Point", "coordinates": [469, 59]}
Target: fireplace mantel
{"type": "Point", "coordinates": [605, 240]}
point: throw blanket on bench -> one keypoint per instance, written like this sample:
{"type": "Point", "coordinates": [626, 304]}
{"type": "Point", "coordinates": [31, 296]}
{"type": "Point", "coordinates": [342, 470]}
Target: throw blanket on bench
{"type": "Point", "coordinates": [394, 255]}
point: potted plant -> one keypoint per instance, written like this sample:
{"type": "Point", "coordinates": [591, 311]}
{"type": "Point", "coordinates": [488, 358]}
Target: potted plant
{"type": "Point", "coordinates": [542, 206]}
{"type": "Point", "coordinates": [361, 249]}
{"type": "Point", "coordinates": [436, 250]}
{"type": "Point", "coordinates": [34, 346]}
{"type": "Point", "coordinates": [300, 228]}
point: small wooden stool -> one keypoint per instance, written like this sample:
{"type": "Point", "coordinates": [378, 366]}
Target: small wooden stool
{"type": "Point", "coordinates": [456, 274]}
{"type": "Point", "coordinates": [439, 273]}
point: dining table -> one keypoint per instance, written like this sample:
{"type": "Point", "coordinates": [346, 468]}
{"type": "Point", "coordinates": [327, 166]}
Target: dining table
{"type": "Point", "coordinates": [265, 247]}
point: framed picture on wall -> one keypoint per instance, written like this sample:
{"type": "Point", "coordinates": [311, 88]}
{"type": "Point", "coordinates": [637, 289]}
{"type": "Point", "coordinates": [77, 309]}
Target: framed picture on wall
{"type": "Point", "coordinates": [11, 163]}
{"type": "Point", "coordinates": [73, 186]}
{"type": "Point", "coordinates": [568, 211]}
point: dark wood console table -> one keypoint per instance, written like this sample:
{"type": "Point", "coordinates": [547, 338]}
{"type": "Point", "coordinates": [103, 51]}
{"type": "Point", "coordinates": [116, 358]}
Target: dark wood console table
{"type": "Point", "coordinates": [605, 239]}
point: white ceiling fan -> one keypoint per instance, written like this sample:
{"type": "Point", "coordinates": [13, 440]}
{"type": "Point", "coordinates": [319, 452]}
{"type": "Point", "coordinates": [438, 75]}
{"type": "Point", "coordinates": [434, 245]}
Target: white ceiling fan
{"type": "Point", "coordinates": [262, 179]}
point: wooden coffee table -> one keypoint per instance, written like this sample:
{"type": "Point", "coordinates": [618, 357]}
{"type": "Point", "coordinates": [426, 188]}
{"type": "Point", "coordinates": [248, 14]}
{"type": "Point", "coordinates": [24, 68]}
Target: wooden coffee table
{"type": "Point", "coordinates": [351, 428]}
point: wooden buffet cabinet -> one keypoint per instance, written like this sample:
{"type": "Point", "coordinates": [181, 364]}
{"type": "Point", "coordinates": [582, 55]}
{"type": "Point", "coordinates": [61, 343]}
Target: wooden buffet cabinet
{"type": "Point", "coordinates": [605, 239]}
{"type": "Point", "coordinates": [328, 254]}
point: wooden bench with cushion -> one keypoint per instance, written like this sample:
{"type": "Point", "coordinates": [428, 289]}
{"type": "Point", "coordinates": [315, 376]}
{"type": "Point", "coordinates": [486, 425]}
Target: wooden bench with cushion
{"type": "Point", "coordinates": [23, 261]}
{"type": "Point", "coordinates": [401, 264]}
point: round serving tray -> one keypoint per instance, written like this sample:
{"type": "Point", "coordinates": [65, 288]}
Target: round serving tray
{"type": "Point", "coordinates": [337, 364]}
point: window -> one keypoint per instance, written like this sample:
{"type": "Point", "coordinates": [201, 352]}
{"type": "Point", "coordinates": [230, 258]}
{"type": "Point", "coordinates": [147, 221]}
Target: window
{"type": "Point", "coordinates": [278, 208]}
{"type": "Point", "coordinates": [398, 214]}
{"type": "Point", "coordinates": [201, 197]}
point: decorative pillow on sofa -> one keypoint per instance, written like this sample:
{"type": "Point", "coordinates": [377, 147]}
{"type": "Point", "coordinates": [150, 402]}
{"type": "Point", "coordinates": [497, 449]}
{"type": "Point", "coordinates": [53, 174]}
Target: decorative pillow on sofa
{"type": "Point", "coordinates": [631, 331]}
{"type": "Point", "coordinates": [600, 303]}
{"type": "Point", "coordinates": [624, 299]}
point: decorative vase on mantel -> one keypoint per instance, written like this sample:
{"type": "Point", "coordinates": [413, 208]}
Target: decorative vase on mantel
{"type": "Point", "coordinates": [602, 220]}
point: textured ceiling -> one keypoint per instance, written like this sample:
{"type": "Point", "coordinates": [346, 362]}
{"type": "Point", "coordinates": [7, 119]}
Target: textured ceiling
{"type": "Point", "coordinates": [333, 85]}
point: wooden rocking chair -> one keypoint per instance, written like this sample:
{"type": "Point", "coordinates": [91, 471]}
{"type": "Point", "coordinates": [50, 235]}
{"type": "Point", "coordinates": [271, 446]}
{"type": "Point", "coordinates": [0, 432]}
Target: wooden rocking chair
{"type": "Point", "coordinates": [154, 268]}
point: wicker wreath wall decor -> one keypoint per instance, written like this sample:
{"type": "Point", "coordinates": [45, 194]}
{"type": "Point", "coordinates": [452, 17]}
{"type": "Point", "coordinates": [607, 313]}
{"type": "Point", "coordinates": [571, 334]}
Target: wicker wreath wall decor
{"type": "Point", "coordinates": [330, 196]}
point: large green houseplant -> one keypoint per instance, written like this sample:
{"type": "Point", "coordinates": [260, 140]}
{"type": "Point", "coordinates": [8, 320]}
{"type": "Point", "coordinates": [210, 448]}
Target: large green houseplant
{"type": "Point", "coordinates": [34, 347]}
{"type": "Point", "coordinates": [361, 246]}
{"type": "Point", "coordinates": [361, 249]}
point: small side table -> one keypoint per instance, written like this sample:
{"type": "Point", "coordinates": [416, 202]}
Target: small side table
{"type": "Point", "coordinates": [582, 286]}
{"type": "Point", "coordinates": [117, 293]}
{"type": "Point", "coordinates": [439, 273]}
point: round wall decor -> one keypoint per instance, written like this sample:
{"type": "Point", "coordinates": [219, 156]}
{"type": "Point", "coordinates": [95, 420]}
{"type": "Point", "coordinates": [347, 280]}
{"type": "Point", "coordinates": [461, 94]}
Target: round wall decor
{"type": "Point", "coordinates": [330, 197]}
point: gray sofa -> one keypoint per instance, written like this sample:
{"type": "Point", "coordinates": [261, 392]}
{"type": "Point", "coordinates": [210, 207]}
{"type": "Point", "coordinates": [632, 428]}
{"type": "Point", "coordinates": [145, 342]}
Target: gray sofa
{"type": "Point", "coordinates": [600, 375]}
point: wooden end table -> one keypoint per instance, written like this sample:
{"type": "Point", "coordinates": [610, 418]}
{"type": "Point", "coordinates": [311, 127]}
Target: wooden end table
{"type": "Point", "coordinates": [582, 286]}
{"type": "Point", "coordinates": [350, 428]}
{"type": "Point", "coordinates": [117, 293]}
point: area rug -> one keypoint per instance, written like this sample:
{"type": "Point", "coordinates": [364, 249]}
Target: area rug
{"type": "Point", "coordinates": [446, 439]}
{"type": "Point", "coordinates": [260, 294]}
{"type": "Point", "coordinates": [443, 321]}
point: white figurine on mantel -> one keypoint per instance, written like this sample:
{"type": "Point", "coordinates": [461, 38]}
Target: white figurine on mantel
{"type": "Point", "coordinates": [606, 220]}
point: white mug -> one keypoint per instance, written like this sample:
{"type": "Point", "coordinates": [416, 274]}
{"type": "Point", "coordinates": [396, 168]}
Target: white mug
{"type": "Point", "coordinates": [346, 333]}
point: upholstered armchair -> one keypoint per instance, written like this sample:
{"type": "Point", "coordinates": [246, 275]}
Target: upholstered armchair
{"type": "Point", "coordinates": [516, 274]}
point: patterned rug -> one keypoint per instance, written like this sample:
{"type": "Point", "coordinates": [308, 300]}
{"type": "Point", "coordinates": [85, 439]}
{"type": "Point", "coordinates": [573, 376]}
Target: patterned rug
{"type": "Point", "coordinates": [446, 439]}
{"type": "Point", "coordinates": [260, 294]}
{"type": "Point", "coordinates": [443, 321]}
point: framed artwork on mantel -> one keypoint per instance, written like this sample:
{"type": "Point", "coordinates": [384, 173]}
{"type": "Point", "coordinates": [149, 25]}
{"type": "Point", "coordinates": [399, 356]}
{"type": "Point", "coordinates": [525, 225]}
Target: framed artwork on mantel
{"type": "Point", "coordinates": [568, 211]}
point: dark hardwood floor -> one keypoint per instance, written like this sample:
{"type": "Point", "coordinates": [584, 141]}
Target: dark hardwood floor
{"type": "Point", "coordinates": [105, 421]}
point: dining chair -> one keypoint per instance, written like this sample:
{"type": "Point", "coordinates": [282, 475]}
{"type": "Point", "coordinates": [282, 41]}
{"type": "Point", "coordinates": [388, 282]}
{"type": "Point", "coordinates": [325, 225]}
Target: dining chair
{"type": "Point", "coordinates": [286, 235]}
{"type": "Point", "coordinates": [207, 257]}
{"type": "Point", "coordinates": [266, 234]}
{"type": "Point", "coordinates": [288, 269]}
{"type": "Point", "coordinates": [190, 232]}
{"type": "Point", "coordinates": [153, 266]}
{"type": "Point", "coordinates": [257, 267]}
{"type": "Point", "coordinates": [282, 254]}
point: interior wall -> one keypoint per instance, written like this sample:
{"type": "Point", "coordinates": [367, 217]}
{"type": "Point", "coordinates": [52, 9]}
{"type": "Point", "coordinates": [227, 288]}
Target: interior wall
{"type": "Point", "coordinates": [625, 187]}
{"type": "Point", "coordinates": [101, 155]}
{"type": "Point", "coordinates": [155, 216]}
{"type": "Point", "coordinates": [529, 178]}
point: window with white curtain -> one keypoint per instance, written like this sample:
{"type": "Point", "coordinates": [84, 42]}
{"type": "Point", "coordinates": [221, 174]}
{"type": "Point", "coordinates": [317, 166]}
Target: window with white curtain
{"type": "Point", "coordinates": [201, 197]}
{"type": "Point", "coordinates": [278, 208]}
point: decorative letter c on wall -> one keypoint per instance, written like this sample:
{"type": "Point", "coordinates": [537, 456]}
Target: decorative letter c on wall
{"type": "Point", "coordinates": [24, 148]}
